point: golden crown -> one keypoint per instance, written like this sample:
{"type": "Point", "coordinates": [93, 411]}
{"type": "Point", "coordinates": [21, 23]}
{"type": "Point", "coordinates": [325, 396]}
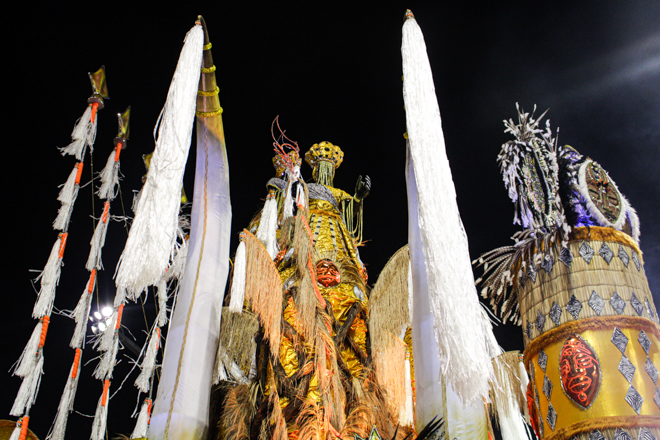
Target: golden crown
{"type": "Point", "coordinates": [281, 163]}
{"type": "Point", "coordinates": [324, 151]}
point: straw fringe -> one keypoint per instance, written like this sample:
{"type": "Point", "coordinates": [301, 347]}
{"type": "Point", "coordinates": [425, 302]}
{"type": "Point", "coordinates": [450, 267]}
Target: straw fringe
{"type": "Point", "coordinates": [263, 289]}
{"type": "Point", "coordinates": [238, 410]}
{"type": "Point", "coordinates": [390, 365]}
{"type": "Point", "coordinates": [237, 332]}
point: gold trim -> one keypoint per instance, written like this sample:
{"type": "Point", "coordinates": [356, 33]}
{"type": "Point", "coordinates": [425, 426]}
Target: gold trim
{"type": "Point", "coordinates": [599, 233]}
{"type": "Point", "coordinates": [208, 69]}
{"type": "Point", "coordinates": [209, 93]}
{"type": "Point", "coordinates": [601, 423]}
{"type": "Point", "coordinates": [209, 114]}
{"type": "Point", "coordinates": [208, 46]}
{"type": "Point", "coordinates": [581, 326]}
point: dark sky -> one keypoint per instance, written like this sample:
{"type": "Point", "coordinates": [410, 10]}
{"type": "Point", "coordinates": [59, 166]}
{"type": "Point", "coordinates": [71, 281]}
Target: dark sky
{"type": "Point", "coordinates": [332, 73]}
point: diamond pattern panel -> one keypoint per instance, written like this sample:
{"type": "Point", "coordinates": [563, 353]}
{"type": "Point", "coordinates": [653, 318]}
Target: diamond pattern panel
{"type": "Point", "coordinates": [645, 434]}
{"type": "Point", "coordinates": [531, 273]}
{"type": "Point", "coordinates": [548, 263]}
{"type": "Point", "coordinates": [619, 340]}
{"type": "Point", "coordinates": [555, 313]}
{"type": "Point", "coordinates": [635, 259]}
{"type": "Point", "coordinates": [606, 253]}
{"type": "Point", "coordinates": [651, 370]}
{"type": "Point", "coordinates": [543, 360]}
{"type": "Point", "coordinates": [529, 330]}
{"type": "Point", "coordinates": [627, 369]}
{"type": "Point", "coordinates": [540, 321]}
{"type": "Point", "coordinates": [634, 399]}
{"type": "Point", "coordinates": [644, 341]}
{"type": "Point", "coordinates": [623, 255]}
{"type": "Point", "coordinates": [618, 304]}
{"type": "Point", "coordinates": [551, 418]}
{"type": "Point", "coordinates": [596, 302]}
{"type": "Point", "coordinates": [574, 307]}
{"type": "Point", "coordinates": [596, 435]}
{"type": "Point", "coordinates": [547, 387]}
{"type": "Point", "coordinates": [620, 434]}
{"type": "Point", "coordinates": [586, 252]}
{"type": "Point", "coordinates": [656, 397]}
{"type": "Point", "coordinates": [636, 304]}
{"type": "Point", "coordinates": [648, 308]}
{"type": "Point", "coordinates": [566, 257]}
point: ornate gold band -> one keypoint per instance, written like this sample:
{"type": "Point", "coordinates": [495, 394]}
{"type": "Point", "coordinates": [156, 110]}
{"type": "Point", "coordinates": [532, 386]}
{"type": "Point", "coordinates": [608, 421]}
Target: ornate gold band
{"type": "Point", "coordinates": [600, 233]}
{"type": "Point", "coordinates": [208, 69]}
{"type": "Point", "coordinates": [209, 93]}
{"type": "Point", "coordinates": [601, 423]}
{"type": "Point", "coordinates": [209, 114]}
{"type": "Point", "coordinates": [597, 323]}
{"type": "Point", "coordinates": [208, 46]}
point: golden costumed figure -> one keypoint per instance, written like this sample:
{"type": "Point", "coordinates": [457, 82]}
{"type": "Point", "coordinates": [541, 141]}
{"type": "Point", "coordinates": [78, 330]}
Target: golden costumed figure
{"type": "Point", "coordinates": [301, 302]}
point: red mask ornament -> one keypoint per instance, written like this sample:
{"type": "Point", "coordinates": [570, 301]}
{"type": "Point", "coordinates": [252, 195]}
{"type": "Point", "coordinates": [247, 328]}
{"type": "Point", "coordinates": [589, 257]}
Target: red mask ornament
{"type": "Point", "coordinates": [327, 273]}
{"type": "Point", "coordinates": [580, 371]}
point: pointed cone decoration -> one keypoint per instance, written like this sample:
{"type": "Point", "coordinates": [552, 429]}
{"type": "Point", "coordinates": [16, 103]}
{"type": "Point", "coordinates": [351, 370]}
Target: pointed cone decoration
{"type": "Point", "coordinates": [99, 86]}
{"type": "Point", "coordinates": [123, 120]}
{"type": "Point", "coordinates": [182, 404]}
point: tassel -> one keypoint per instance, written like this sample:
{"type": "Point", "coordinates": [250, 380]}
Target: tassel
{"type": "Point", "coordinates": [268, 225]}
{"type": "Point", "coordinates": [104, 343]}
{"type": "Point", "coordinates": [66, 402]}
{"type": "Point", "coordinates": [81, 312]}
{"type": "Point", "coordinates": [83, 135]}
{"type": "Point", "coordinates": [508, 396]}
{"type": "Point", "coordinates": [27, 393]}
{"type": "Point", "coordinates": [49, 279]}
{"type": "Point", "coordinates": [406, 412]}
{"type": "Point", "coordinates": [28, 359]}
{"type": "Point", "coordinates": [110, 177]}
{"type": "Point", "coordinates": [120, 297]}
{"type": "Point", "coordinates": [152, 238]}
{"type": "Point", "coordinates": [288, 201]}
{"type": "Point", "coordinates": [101, 415]}
{"type": "Point", "coordinates": [143, 381]}
{"type": "Point", "coordinates": [142, 424]}
{"type": "Point", "coordinates": [238, 282]}
{"type": "Point", "coordinates": [107, 364]}
{"type": "Point", "coordinates": [161, 290]}
{"type": "Point", "coordinates": [21, 430]}
{"type": "Point", "coordinates": [98, 240]}
{"type": "Point", "coordinates": [67, 196]}
{"type": "Point", "coordinates": [16, 433]}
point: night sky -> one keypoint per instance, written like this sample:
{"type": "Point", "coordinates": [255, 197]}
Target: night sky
{"type": "Point", "coordinates": [331, 73]}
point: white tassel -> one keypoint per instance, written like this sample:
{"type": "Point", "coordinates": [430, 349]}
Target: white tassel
{"type": "Point", "coordinates": [287, 210]}
{"type": "Point", "coordinates": [452, 296]}
{"type": "Point", "coordinates": [67, 189]}
{"type": "Point", "coordinates": [300, 196]}
{"type": "Point", "coordinates": [66, 402]}
{"type": "Point", "coordinates": [508, 409]}
{"type": "Point", "coordinates": [179, 262]}
{"type": "Point", "coordinates": [161, 292]}
{"type": "Point", "coordinates": [27, 393]}
{"type": "Point", "coordinates": [98, 240]}
{"type": "Point", "coordinates": [142, 424]}
{"type": "Point", "coordinates": [83, 135]}
{"type": "Point", "coordinates": [152, 239]}
{"type": "Point", "coordinates": [80, 314]}
{"type": "Point", "coordinates": [107, 364]}
{"type": "Point", "coordinates": [28, 358]}
{"type": "Point", "coordinates": [109, 178]}
{"type": "Point", "coordinates": [104, 343]}
{"type": "Point", "coordinates": [238, 282]}
{"type": "Point", "coordinates": [100, 417]}
{"type": "Point", "coordinates": [268, 225]}
{"type": "Point", "coordinates": [143, 381]}
{"type": "Point", "coordinates": [16, 433]}
{"type": "Point", "coordinates": [120, 297]}
{"type": "Point", "coordinates": [50, 277]}
{"type": "Point", "coordinates": [524, 382]}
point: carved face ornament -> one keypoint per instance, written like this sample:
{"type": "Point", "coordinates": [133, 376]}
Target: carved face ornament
{"type": "Point", "coordinates": [327, 273]}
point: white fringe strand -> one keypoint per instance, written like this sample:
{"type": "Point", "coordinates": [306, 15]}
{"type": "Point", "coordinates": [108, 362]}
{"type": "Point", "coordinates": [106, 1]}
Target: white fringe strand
{"type": "Point", "coordinates": [98, 240]}
{"type": "Point", "coordinates": [142, 423]}
{"type": "Point", "coordinates": [66, 402]}
{"type": "Point", "coordinates": [100, 419]}
{"type": "Point", "coordinates": [268, 225]}
{"type": "Point", "coordinates": [28, 359]}
{"type": "Point", "coordinates": [83, 135]}
{"type": "Point", "coordinates": [152, 238]}
{"type": "Point", "coordinates": [143, 381]}
{"type": "Point", "coordinates": [27, 393]}
{"type": "Point", "coordinates": [238, 282]}
{"type": "Point", "coordinates": [80, 314]}
{"type": "Point", "coordinates": [109, 178]}
{"type": "Point", "coordinates": [16, 433]}
{"type": "Point", "coordinates": [49, 279]}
